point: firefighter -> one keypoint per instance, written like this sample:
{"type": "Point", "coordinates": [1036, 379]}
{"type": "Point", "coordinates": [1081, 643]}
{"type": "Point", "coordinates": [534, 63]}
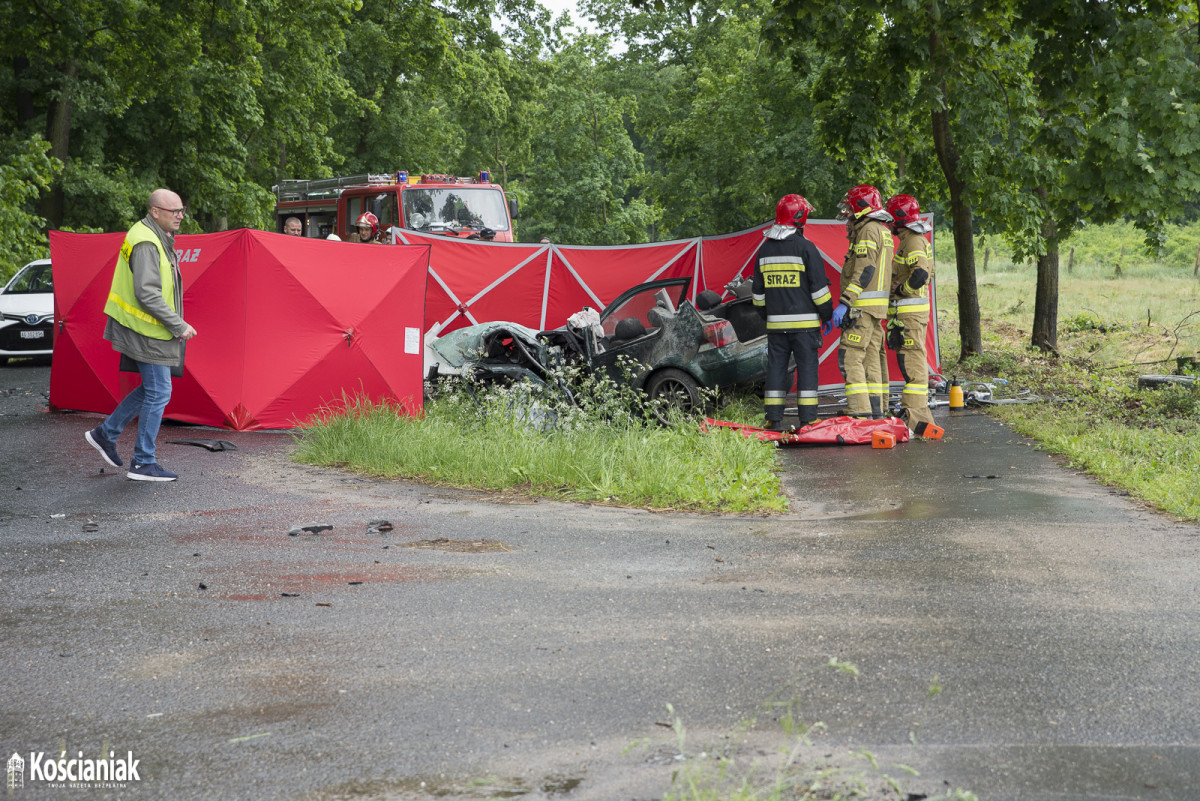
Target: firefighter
{"type": "Point", "coordinates": [863, 303]}
{"type": "Point", "coordinates": [366, 228]}
{"type": "Point", "coordinates": [790, 288]}
{"type": "Point", "coordinates": [908, 312]}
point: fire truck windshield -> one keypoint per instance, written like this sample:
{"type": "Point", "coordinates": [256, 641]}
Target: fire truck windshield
{"type": "Point", "coordinates": [454, 208]}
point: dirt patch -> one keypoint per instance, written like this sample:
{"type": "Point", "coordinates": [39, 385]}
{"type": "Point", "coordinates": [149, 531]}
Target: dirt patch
{"type": "Point", "coordinates": [458, 546]}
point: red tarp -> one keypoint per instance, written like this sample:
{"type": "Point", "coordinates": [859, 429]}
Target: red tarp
{"type": "Point", "coordinates": [539, 286]}
{"type": "Point", "coordinates": [831, 431]}
{"type": "Point", "coordinates": [285, 327]}
{"type": "Point", "coordinates": [286, 324]}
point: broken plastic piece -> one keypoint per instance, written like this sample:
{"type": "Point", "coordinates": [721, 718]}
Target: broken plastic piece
{"type": "Point", "coordinates": [312, 528]}
{"type": "Point", "coordinates": [208, 444]}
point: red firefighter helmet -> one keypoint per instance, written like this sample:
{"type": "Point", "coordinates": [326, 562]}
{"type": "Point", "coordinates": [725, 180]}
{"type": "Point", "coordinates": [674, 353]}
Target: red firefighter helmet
{"type": "Point", "coordinates": [369, 219]}
{"type": "Point", "coordinates": [792, 210]}
{"type": "Point", "coordinates": [859, 201]}
{"type": "Point", "coordinates": [904, 209]}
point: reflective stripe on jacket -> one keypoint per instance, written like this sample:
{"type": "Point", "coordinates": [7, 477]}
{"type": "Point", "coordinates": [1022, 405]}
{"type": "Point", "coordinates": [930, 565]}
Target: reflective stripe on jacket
{"type": "Point", "coordinates": [790, 284]}
{"type": "Point", "coordinates": [866, 274]}
{"type": "Point", "coordinates": [914, 253]}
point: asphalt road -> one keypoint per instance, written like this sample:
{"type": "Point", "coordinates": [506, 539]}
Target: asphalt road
{"type": "Point", "coordinates": [1002, 624]}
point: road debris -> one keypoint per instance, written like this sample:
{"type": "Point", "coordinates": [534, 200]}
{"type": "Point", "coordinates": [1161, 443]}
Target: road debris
{"type": "Point", "coordinates": [207, 444]}
{"type": "Point", "coordinates": [311, 528]}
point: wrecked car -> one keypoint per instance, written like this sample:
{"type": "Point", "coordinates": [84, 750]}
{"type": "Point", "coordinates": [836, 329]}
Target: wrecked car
{"type": "Point", "coordinates": [679, 347]}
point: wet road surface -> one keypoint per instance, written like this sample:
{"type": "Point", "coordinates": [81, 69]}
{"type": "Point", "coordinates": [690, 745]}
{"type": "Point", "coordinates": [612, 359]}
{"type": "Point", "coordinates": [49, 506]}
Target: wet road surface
{"type": "Point", "coordinates": [1003, 624]}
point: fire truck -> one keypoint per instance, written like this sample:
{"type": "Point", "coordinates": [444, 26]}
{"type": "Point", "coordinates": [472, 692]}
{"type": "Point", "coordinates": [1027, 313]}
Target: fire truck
{"type": "Point", "coordinates": [429, 203]}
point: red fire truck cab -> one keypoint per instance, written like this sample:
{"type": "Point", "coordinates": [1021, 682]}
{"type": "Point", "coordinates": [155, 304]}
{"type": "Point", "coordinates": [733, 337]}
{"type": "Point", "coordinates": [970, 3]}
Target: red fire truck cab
{"type": "Point", "coordinates": [430, 203]}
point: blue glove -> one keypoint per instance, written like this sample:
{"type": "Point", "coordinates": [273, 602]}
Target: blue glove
{"type": "Point", "coordinates": [826, 327]}
{"type": "Point", "coordinates": [839, 314]}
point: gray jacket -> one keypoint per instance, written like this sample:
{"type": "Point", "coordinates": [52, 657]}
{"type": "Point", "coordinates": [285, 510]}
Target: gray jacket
{"type": "Point", "coordinates": [147, 288]}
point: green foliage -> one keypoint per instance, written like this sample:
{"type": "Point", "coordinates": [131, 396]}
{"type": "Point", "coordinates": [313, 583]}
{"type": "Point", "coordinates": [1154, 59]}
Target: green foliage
{"type": "Point", "coordinates": [584, 175]}
{"type": "Point", "coordinates": [710, 112]}
{"type": "Point", "coordinates": [578, 439]}
{"type": "Point", "coordinates": [1098, 249]}
{"type": "Point", "coordinates": [25, 170]}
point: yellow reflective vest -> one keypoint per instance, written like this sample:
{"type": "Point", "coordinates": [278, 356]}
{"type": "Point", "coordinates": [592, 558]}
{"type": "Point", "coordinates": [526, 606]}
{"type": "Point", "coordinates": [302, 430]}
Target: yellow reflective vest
{"type": "Point", "coordinates": [122, 305]}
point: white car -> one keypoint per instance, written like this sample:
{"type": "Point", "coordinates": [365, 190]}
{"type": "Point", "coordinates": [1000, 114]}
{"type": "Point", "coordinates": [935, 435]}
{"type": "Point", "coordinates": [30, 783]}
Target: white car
{"type": "Point", "coordinates": [27, 313]}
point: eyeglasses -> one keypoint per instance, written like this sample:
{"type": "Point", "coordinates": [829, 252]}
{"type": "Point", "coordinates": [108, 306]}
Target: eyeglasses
{"type": "Point", "coordinates": [177, 212]}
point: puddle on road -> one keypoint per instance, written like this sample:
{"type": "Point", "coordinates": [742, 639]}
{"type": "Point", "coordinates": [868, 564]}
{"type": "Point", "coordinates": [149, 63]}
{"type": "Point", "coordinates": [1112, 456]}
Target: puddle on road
{"type": "Point", "coordinates": [990, 502]}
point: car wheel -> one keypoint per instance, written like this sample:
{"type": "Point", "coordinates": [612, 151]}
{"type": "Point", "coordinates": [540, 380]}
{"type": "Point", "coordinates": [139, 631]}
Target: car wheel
{"type": "Point", "coordinates": [676, 389]}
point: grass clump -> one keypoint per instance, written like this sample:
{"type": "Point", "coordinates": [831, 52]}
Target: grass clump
{"type": "Point", "coordinates": [579, 437]}
{"type": "Point", "coordinates": [739, 768]}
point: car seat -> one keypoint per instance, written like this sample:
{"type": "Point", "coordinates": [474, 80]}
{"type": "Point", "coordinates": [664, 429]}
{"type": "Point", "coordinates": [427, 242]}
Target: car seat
{"type": "Point", "coordinates": [629, 328]}
{"type": "Point", "coordinates": [707, 300]}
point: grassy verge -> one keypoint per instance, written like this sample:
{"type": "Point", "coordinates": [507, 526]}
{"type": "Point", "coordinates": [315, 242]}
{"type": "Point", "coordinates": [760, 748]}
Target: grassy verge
{"type": "Point", "coordinates": [602, 449]}
{"type": "Point", "coordinates": [1112, 329]}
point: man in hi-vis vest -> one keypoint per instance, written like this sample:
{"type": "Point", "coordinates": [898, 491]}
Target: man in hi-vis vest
{"type": "Point", "coordinates": [145, 323]}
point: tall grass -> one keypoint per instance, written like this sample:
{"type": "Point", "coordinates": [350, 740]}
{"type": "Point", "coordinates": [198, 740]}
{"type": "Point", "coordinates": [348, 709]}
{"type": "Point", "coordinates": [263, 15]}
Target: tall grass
{"type": "Point", "coordinates": [601, 444]}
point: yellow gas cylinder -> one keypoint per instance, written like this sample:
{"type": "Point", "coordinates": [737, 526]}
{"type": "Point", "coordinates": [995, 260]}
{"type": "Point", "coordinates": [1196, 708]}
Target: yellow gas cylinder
{"type": "Point", "coordinates": [956, 395]}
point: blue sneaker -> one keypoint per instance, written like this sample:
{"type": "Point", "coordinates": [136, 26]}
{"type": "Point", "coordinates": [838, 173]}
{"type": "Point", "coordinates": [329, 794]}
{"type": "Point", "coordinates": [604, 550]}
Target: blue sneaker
{"type": "Point", "coordinates": [150, 472]}
{"type": "Point", "coordinates": [107, 448]}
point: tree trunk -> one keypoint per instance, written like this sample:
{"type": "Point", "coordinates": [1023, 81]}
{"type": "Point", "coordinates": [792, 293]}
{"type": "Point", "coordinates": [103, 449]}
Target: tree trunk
{"type": "Point", "coordinates": [1196, 269]}
{"type": "Point", "coordinates": [24, 97]}
{"type": "Point", "coordinates": [969, 330]}
{"type": "Point", "coordinates": [1045, 306]}
{"type": "Point", "coordinates": [1071, 262]}
{"type": "Point", "coordinates": [987, 255]}
{"type": "Point", "coordinates": [58, 132]}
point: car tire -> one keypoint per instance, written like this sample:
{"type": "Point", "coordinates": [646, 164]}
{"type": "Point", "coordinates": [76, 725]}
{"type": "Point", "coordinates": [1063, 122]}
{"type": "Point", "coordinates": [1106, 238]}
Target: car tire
{"type": "Point", "coordinates": [676, 388]}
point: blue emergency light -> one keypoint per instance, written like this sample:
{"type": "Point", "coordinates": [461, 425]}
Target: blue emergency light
{"type": "Point", "coordinates": [485, 177]}
{"type": "Point", "coordinates": [402, 176]}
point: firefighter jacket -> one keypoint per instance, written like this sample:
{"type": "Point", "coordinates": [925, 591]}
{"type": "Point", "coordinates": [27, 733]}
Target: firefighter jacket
{"type": "Point", "coordinates": [790, 282]}
{"type": "Point", "coordinates": [867, 272]}
{"type": "Point", "coordinates": [912, 271]}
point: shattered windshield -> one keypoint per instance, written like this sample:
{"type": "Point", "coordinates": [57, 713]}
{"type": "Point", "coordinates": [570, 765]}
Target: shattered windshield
{"type": "Point", "coordinates": [454, 208]}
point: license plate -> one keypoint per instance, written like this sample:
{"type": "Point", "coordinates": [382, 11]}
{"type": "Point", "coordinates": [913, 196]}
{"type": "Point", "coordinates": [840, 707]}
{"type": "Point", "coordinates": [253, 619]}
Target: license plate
{"type": "Point", "coordinates": [32, 334]}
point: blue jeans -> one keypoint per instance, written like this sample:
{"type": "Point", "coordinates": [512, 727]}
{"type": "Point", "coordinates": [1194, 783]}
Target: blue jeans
{"type": "Point", "coordinates": [146, 403]}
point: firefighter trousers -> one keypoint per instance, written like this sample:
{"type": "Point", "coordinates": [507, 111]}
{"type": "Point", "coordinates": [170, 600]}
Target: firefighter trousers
{"type": "Point", "coordinates": [859, 358]}
{"type": "Point", "coordinates": [914, 365]}
{"type": "Point", "coordinates": [805, 346]}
